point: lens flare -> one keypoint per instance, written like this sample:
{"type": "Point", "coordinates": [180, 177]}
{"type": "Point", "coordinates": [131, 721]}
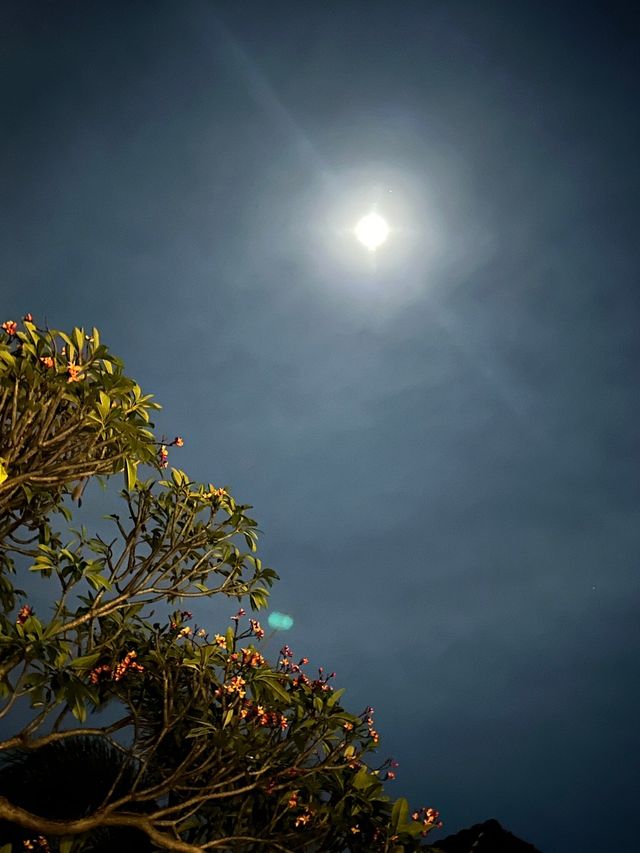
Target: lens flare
{"type": "Point", "coordinates": [280, 621]}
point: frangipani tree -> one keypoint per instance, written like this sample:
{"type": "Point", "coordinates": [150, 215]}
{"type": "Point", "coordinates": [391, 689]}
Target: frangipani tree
{"type": "Point", "coordinates": [208, 746]}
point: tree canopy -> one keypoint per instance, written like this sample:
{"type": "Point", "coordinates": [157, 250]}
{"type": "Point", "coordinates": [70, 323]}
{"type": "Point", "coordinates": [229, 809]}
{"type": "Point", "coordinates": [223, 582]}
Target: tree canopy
{"type": "Point", "coordinates": [123, 721]}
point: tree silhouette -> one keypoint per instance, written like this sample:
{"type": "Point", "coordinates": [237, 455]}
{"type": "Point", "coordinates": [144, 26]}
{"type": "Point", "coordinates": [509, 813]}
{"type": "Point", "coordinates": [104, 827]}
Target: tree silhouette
{"type": "Point", "coordinates": [67, 780]}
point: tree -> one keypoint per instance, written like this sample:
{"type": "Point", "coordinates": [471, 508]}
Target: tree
{"type": "Point", "coordinates": [208, 745]}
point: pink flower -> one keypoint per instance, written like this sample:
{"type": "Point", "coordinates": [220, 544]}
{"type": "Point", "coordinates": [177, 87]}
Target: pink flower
{"type": "Point", "coordinates": [257, 629]}
{"type": "Point", "coordinates": [23, 614]}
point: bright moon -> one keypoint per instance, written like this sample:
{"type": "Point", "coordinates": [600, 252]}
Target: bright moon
{"type": "Point", "coordinates": [372, 231]}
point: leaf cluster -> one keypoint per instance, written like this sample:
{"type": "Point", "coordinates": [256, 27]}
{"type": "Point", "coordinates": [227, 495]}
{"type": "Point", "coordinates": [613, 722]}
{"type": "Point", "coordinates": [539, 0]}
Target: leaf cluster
{"type": "Point", "coordinates": [207, 745]}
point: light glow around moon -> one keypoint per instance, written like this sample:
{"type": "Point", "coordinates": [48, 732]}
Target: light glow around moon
{"type": "Point", "coordinates": [372, 231]}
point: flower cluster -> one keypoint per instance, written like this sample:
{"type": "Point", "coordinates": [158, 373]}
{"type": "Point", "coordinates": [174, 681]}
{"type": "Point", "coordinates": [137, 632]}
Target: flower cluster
{"type": "Point", "coordinates": [256, 628]}
{"type": "Point", "coordinates": [285, 661]}
{"type": "Point", "coordinates": [96, 674]}
{"type": "Point", "coordinates": [320, 684]}
{"type": "Point", "coordinates": [373, 734]}
{"type": "Point", "coordinates": [163, 452]}
{"type": "Point", "coordinates": [38, 843]}
{"type": "Point", "coordinates": [48, 361]}
{"type": "Point", "coordinates": [73, 371]}
{"type": "Point", "coordinates": [23, 614]}
{"type": "Point", "coordinates": [390, 775]}
{"type": "Point", "coordinates": [234, 685]}
{"type": "Point", "coordinates": [430, 819]}
{"type": "Point", "coordinates": [216, 493]}
{"type": "Point", "coordinates": [273, 719]}
{"type": "Point", "coordinates": [250, 657]}
{"type": "Point", "coordinates": [127, 663]}
{"type": "Point", "coordinates": [246, 657]}
{"type": "Point", "coordinates": [236, 617]}
{"type": "Point", "coordinates": [104, 671]}
{"type": "Point", "coordinates": [178, 617]}
{"type": "Point", "coordinates": [175, 624]}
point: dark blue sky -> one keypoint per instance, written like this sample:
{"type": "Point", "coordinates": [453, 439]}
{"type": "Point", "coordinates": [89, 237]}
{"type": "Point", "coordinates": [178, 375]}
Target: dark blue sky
{"type": "Point", "coordinates": [442, 445]}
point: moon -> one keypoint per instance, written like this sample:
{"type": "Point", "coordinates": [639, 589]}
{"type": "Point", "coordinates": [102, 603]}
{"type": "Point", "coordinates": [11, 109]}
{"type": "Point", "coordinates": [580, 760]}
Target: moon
{"type": "Point", "coordinates": [372, 231]}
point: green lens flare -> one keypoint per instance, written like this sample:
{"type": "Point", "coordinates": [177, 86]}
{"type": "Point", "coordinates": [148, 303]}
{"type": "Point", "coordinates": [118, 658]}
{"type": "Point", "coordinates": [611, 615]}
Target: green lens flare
{"type": "Point", "coordinates": [280, 621]}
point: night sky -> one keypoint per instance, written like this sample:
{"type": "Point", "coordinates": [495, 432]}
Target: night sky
{"type": "Point", "coordinates": [439, 439]}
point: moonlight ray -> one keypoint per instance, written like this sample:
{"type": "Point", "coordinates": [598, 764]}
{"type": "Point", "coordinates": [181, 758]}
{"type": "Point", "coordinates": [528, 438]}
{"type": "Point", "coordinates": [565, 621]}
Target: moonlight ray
{"type": "Point", "coordinates": [263, 94]}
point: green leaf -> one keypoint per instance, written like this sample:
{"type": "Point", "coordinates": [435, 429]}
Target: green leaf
{"type": "Point", "coordinates": [331, 701]}
{"type": "Point", "coordinates": [272, 683]}
{"type": "Point", "coordinates": [98, 581]}
{"type": "Point", "coordinates": [259, 598]}
{"type": "Point", "coordinates": [3, 471]}
{"type": "Point", "coordinates": [411, 828]}
{"type": "Point", "coordinates": [250, 542]}
{"type": "Point", "coordinates": [179, 477]}
{"type": "Point", "coordinates": [227, 718]}
{"type": "Point", "coordinates": [230, 640]}
{"type": "Point", "coordinates": [362, 779]}
{"type": "Point", "coordinates": [131, 474]}
{"type": "Point", "coordinates": [103, 405]}
{"type": "Point", "coordinates": [86, 662]}
{"type": "Point", "coordinates": [77, 706]}
{"type": "Point", "coordinates": [399, 813]}
{"type": "Point", "coordinates": [78, 338]}
{"type": "Point", "coordinates": [65, 512]}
